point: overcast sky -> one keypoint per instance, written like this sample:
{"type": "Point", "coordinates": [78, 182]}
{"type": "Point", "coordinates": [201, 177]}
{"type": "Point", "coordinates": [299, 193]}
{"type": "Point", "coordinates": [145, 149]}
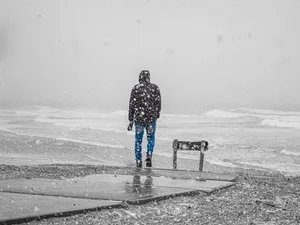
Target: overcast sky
{"type": "Point", "coordinates": [201, 53]}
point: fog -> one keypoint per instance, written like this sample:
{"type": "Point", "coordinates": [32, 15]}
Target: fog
{"type": "Point", "coordinates": [201, 53]}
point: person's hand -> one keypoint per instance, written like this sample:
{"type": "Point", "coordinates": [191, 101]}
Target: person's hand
{"type": "Point", "coordinates": [129, 128]}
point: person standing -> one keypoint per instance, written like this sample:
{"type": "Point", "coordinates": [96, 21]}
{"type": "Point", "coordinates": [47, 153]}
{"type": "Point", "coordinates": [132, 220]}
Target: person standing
{"type": "Point", "coordinates": [144, 110]}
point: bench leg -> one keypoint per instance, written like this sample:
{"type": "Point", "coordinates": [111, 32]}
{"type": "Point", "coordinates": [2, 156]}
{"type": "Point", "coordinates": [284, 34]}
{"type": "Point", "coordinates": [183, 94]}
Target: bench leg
{"type": "Point", "coordinates": [174, 158]}
{"type": "Point", "coordinates": [201, 161]}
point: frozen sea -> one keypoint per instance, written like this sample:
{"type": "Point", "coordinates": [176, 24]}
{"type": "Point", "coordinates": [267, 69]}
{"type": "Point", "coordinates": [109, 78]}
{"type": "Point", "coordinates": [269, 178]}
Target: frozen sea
{"type": "Point", "coordinates": [238, 138]}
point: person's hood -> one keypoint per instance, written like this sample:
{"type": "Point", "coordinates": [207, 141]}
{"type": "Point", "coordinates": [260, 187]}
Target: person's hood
{"type": "Point", "coordinates": [144, 76]}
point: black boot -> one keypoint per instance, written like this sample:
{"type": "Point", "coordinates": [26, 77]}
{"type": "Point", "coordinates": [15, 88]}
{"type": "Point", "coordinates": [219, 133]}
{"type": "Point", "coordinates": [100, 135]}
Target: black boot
{"type": "Point", "coordinates": [149, 161]}
{"type": "Point", "coordinates": [139, 163]}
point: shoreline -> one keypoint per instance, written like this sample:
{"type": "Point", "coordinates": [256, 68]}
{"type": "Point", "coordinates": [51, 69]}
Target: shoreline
{"type": "Point", "coordinates": [22, 149]}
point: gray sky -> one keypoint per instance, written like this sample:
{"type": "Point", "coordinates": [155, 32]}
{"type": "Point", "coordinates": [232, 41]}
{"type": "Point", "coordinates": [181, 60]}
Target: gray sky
{"type": "Point", "coordinates": [201, 53]}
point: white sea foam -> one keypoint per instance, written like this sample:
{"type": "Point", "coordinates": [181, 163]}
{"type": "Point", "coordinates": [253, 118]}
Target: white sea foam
{"type": "Point", "coordinates": [280, 119]}
{"type": "Point", "coordinates": [117, 120]}
{"type": "Point", "coordinates": [290, 153]}
{"type": "Point", "coordinates": [84, 119]}
{"type": "Point", "coordinates": [274, 118]}
{"type": "Point", "coordinates": [267, 112]}
{"type": "Point", "coordinates": [283, 121]}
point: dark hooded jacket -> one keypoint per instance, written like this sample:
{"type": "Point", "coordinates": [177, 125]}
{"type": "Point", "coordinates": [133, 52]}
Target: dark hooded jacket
{"type": "Point", "coordinates": [145, 101]}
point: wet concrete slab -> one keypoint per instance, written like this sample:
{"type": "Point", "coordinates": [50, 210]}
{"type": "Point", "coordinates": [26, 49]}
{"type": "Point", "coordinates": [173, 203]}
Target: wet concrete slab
{"type": "Point", "coordinates": [18, 208]}
{"type": "Point", "coordinates": [41, 198]}
{"type": "Point", "coordinates": [130, 188]}
{"type": "Point", "coordinates": [206, 186]}
{"type": "Point", "coordinates": [131, 193]}
{"type": "Point", "coordinates": [177, 174]}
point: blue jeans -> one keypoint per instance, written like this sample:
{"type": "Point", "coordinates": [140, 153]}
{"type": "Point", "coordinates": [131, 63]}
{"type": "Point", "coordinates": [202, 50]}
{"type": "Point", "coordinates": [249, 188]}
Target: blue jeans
{"type": "Point", "coordinates": [139, 133]}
